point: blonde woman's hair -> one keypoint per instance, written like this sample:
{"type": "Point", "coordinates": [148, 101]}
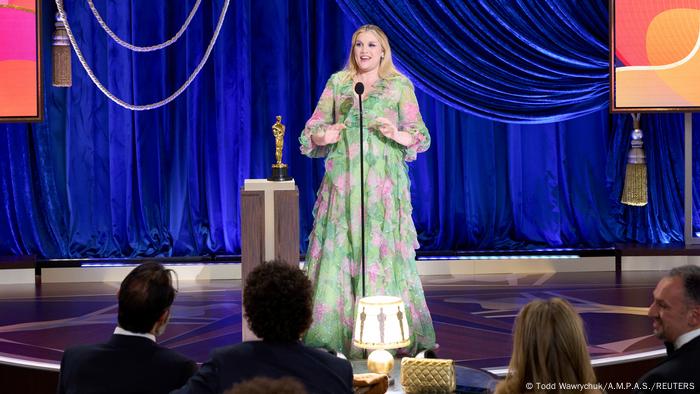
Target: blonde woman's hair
{"type": "Point", "coordinates": [549, 346]}
{"type": "Point", "coordinates": [386, 65]}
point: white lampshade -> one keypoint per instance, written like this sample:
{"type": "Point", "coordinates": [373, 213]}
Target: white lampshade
{"type": "Point", "coordinates": [380, 323]}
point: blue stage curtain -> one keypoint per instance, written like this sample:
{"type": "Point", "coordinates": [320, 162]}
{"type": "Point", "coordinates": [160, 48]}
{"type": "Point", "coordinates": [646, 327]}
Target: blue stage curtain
{"type": "Point", "coordinates": [493, 185]}
{"type": "Point", "coordinates": [96, 180]}
{"type": "Point", "coordinates": [515, 61]}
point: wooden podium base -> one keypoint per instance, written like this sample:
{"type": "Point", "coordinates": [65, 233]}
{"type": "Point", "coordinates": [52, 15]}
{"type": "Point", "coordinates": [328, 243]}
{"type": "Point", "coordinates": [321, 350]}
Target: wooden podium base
{"type": "Point", "coordinates": [269, 227]}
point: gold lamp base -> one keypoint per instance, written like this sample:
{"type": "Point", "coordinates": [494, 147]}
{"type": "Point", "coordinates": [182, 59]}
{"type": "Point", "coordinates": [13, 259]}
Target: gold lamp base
{"type": "Point", "coordinates": [380, 361]}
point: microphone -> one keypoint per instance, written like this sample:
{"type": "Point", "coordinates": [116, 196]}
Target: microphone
{"type": "Point", "coordinates": [359, 89]}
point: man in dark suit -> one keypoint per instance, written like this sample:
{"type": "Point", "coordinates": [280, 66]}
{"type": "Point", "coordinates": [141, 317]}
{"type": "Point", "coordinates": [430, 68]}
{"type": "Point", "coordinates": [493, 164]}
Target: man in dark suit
{"type": "Point", "coordinates": [676, 321]}
{"type": "Point", "coordinates": [277, 302]}
{"type": "Point", "coordinates": [131, 361]}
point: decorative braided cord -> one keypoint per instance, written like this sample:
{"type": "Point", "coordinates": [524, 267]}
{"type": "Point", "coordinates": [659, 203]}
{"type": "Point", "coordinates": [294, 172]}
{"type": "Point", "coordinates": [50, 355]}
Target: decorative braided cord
{"type": "Point", "coordinates": [136, 48]}
{"type": "Point", "coordinates": [134, 107]}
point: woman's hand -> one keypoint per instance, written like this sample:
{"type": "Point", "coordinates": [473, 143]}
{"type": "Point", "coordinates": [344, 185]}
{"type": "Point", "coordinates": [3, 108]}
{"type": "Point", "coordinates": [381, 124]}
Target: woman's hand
{"type": "Point", "coordinates": [331, 136]}
{"type": "Point", "coordinates": [387, 128]}
{"type": "Point", "coordinates": [390, 131]}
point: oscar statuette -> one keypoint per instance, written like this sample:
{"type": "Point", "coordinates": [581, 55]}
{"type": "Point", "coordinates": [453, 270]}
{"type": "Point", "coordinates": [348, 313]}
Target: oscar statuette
{"type": "Point", "coordinates": [279, 169]}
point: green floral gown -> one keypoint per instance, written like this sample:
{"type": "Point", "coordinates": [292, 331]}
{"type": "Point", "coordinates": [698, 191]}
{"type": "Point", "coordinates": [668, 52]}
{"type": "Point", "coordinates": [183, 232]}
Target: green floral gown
{"type": "Point", "coordinates": [333, 258]}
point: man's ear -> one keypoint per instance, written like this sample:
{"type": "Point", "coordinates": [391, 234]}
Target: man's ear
{"type": "Point", "coordinates": [694, 316]}
{"type": "Point", "coordinates": [164, 317]}
{"type": "Point", "coordinates": [159, 326]}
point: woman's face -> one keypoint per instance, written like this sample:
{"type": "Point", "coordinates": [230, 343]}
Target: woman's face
{"type": "Point", "coordinates": [367, 51]}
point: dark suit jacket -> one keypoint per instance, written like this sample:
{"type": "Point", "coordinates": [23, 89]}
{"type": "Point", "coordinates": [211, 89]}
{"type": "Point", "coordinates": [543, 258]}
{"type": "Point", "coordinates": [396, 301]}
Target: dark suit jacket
{"type": "Point", "coordinates": [318, 370]}
{"type": "Point", "coordinates": [125, 364]}
{"type": "Point", "coordinates": [680, 372]}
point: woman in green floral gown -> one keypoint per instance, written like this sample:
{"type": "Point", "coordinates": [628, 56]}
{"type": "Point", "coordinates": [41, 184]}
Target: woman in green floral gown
{"type": "Point", "coordinates": [394, 133]}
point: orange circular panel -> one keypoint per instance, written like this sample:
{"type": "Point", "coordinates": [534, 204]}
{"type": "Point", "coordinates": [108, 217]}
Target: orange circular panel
{"type": "Point", "coordinates": [672, 35]}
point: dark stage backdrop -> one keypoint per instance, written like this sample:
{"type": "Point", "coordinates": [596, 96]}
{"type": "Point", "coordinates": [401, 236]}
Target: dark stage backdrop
{"type": "Point", "coordinates": [515, 95]}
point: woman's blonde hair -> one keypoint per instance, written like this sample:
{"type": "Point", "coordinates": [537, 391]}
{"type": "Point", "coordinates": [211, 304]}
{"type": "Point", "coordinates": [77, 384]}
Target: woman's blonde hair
{"type": "Point", "coordinates": [386, 65]}
{"type": "Point", "coordinates": [549, 346]}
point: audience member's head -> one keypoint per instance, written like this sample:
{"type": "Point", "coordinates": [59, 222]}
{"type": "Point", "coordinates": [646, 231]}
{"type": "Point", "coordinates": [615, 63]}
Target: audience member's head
{"type": "Point", "coordinates": [277, 300]}
{"type": "Point", "coordinates": [675, 309]}
{"type": "Point", "coordinates": [261, 385]}
{"type": "Point", "coordinates": [145, 297]}
{"type": "Point", "coordinates": [549, 346]}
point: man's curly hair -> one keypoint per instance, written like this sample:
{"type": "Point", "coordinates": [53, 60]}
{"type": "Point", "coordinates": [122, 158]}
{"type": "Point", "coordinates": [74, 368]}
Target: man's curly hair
{"type": "Point", "coordinates": [277, 301]}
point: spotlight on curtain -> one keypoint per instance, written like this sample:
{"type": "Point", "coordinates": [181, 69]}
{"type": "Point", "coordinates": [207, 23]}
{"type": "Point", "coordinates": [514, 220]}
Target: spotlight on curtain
{"type": "Point", "coordinates": [381, 324]}
{"type": "Point", "coordinates": [60, 55]}
{"type": "Point", "coordinates": [635, 189]}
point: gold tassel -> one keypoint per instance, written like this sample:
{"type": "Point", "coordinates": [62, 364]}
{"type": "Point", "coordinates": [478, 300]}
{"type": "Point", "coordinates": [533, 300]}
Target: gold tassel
{"type": "Point", "coordinates": [635, 190]}
{"type": "Point", "coordinates": [60, 51]}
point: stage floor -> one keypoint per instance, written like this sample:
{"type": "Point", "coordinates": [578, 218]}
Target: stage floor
{"type": "Point", "coordinates": [473, 315]}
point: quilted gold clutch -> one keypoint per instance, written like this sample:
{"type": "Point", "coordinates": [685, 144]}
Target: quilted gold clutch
{"type": "Point", "coordinates": [428, 375]}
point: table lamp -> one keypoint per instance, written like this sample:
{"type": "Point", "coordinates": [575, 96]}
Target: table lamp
{"type": "Point", "coordinates": [381, 324]}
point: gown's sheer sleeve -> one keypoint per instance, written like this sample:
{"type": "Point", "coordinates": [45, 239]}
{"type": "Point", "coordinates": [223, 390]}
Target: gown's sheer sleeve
{"type": "Point", "coordinates": [320, 120]}
{"type": "Point", "coordinates": [411, 121]}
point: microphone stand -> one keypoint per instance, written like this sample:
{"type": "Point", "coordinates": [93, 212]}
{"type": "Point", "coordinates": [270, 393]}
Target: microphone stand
{"type": "Point", "coordinates": [359, 89]}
